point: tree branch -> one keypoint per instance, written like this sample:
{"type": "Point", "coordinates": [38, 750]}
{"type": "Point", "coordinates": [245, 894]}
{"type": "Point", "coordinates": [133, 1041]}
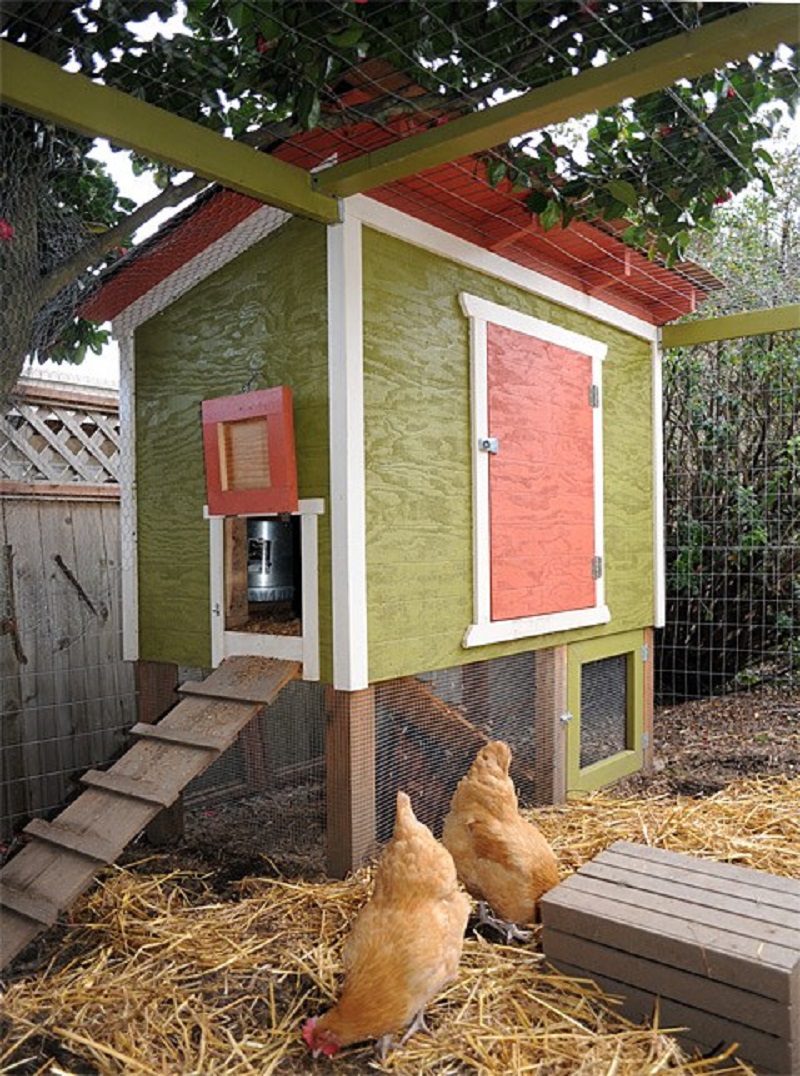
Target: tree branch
{"type": "Point", "coordinates": [95, 250]}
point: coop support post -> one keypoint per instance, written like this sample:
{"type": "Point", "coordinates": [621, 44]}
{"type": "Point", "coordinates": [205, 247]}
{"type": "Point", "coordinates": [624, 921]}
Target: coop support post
{"type": "Point", "coordinates": [156, 691]}
{"type": "Point", "coordinates": [350, 766]}
{"type": "Point", "coordinates": [648, 683]}
{"type": "Point", "coordinates": [550, 734]}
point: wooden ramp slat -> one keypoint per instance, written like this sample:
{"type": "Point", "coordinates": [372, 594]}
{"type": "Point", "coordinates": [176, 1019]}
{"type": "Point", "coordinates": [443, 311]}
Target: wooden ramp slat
{"type": "Point", "coordinates": [183, 737]}
{"type": "Point", "coordinates": [32, 906]}
{"type": "Point", "coordinates": [136, 789]}
{"type": "Point", "coordinates": [90, 845]}
{"type": "Point", "coordinates": [62, 858]}
{"type": "Point", "coordinates": [240, 678]}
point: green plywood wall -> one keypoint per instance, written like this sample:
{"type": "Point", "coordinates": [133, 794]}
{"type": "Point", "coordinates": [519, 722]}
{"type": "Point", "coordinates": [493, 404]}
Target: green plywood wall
{"type": "Point", "coordinates": [264, 314]}
{"type": "Point", "coordinates": [417, 423]}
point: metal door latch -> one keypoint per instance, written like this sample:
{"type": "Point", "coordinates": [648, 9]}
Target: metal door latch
{"type": "Point", "coordinates": [489, 444]}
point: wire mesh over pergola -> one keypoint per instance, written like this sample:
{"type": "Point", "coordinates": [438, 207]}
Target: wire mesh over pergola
{"type": "Point", "coordinates": [435, 108]}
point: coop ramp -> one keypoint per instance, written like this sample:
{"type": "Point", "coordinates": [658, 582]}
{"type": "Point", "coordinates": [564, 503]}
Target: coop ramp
{"type": "Point", "coordinates": [63, 856]}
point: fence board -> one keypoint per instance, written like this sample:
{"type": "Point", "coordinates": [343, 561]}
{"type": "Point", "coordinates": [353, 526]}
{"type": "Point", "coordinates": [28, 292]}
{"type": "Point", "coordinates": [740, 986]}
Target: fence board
{"type": "Point", "coordinates": [68, 705]}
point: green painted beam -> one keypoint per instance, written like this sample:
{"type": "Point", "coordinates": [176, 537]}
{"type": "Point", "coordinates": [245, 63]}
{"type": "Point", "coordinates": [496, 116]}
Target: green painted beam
{"type": "Point", "coordinates": [41, 88]}
{"type": "Point", "coordinates": [651, 68]}
{"type": "Point", "coordinates": [732, 326]}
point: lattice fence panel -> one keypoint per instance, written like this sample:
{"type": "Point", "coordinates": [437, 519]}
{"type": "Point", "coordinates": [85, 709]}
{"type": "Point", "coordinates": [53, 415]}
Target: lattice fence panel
{"type": "Point", "coordinates": [60, 442]}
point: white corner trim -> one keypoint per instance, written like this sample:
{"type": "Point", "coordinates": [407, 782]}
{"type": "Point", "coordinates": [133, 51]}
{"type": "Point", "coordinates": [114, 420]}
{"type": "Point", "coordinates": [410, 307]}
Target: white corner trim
{"type": "Point", "coordinates": [502, 631]}
{"type": "Point", "coordinates": [129, 550]}
{"type": "Point", "coordinates": [215, 256]}
{"type": "Point", "coordinates": [402, 226]}
{"type": "Point", "coordinates": [659, 551]}
{"type": "Point", "coordinates": [347, 464]}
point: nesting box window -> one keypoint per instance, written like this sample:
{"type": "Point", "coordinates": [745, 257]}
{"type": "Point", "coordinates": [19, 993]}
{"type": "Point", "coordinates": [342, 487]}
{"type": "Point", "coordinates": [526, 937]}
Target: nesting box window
{"type": "Point", "coordinates": [537, 476]}
{"type": "Point", "coordinates": [605, 709]}
{"type": "Point", "coordinates": [248, 443]}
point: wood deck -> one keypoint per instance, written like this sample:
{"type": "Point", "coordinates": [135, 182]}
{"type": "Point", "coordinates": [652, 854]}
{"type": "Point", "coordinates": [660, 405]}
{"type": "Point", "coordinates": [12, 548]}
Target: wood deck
{"type": "Point", "coordinates": [63, 856]}
{"type": "Point", "coordinates": [716, 945]}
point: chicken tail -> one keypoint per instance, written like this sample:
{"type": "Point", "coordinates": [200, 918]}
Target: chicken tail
{"type": "Point", "coordinates": [404, 819]}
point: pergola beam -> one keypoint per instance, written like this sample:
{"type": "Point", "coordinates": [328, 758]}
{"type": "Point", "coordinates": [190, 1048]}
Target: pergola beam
{"type": "Point", "coordinates": [732, 326]}
{"type": "Point", "coordinates": [41, 88]}
{"type": "Point", "coordinates": [686, 55]}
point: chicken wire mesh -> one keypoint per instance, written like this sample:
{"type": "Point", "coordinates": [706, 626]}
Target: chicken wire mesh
{"type": "Point", "coordinates": [315, 776]}
{"type": "Point", "coordinates": [604, 709]}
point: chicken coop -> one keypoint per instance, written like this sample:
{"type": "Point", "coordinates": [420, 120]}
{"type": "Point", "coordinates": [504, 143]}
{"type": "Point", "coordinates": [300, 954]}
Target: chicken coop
{"type": "Point", "coordinates": [457, 530]}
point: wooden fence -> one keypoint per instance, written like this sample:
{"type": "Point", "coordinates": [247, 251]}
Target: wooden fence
{"type": "Point", "coordinates": [66, 697]}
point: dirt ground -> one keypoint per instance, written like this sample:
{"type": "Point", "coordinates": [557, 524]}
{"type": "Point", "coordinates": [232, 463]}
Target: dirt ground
{"type": "Point", "coordinates": [699, 747]}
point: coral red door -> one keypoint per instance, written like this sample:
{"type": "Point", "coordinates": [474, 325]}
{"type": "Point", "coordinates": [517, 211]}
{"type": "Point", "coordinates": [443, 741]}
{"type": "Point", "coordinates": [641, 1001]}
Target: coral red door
{"type": "Point", "coordinates": [541, 481]}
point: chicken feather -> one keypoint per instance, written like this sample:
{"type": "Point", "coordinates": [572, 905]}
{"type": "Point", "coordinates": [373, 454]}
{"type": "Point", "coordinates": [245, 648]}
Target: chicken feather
{"type": "Point", "coordinates": [405, 943]}
{"type": "Point", "coordinates": [500, 857]}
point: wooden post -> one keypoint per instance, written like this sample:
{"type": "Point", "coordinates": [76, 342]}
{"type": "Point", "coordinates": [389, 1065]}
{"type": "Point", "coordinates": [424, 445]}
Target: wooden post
{"type": "Point", "coordinates": [647, 702]}
{"type": "Point", "coordinates": [350, 766]}
{"type": "Point", "coordinates": [156, 689]}
{"type": "Point", "coordinates": [236, 607]}
{"type": "Point", "coordinates": [476, 692]}
{"type": "Point", "coordinates": [550, 732]}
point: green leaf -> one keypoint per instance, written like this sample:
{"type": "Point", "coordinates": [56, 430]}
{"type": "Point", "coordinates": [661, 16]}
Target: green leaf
{"type": "Point", "coordinates": [623, 191]}
{"type": "Point", "coordinates": [347, 38]}
{"type": "Point", "coordinates": [537, 202]}
{"type": "Point", "coordinates": [308, 106]}
{"type": "Point", "coordinates": [496, 170]}
{"type": "Point", "coordinates": [551, 216]}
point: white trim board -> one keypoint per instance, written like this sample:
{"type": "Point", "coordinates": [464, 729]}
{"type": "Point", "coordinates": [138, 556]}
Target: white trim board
{"type": "Point", "coordinates": [484, 630]}
{"type": "Point", "coordinates": [402, 226]}
{"type": "Point", "coordinates": [659, 552]}
{"type": "Point", "coordinates": [303, 648]}
{"type": "Point", "coordinates": [129, 545]}
{"type": "Point", "coordinates": [347, 463]}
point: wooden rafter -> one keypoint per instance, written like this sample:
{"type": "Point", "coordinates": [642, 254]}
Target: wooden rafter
{"type": "Point", "coordinates": [686, 55]}
{"type": "Point", "coordinates": [41, 88]}
{"type": "Point", "coordinates": [732, 326]}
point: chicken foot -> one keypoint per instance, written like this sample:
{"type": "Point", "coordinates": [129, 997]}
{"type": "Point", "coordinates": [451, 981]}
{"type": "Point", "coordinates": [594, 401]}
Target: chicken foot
{"type": "Point", "coordinates": [385, 1044]}
{"type": "Point", "coordinates": [510, 931]}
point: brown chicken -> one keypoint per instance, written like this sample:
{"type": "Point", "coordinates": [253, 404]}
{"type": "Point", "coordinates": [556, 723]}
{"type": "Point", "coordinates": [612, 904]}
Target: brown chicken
{"type": "Point", "coordinates": [502, 859]}
{"type": "Point", "coordinates": [404, 946]}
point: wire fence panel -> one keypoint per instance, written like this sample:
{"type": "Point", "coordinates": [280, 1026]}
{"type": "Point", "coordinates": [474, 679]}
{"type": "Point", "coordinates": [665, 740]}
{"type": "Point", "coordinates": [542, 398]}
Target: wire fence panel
{"type": "Point", "coordinates": [732, 439]}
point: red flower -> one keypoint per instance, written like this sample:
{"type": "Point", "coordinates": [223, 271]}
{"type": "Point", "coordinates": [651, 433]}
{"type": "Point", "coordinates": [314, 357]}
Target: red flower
{"type": "Point", "coordinates": [721, 198]}
{"type": "Point", "coordinates": [665, 129]}
{"type": "Point", "coordinates": [262, 45]}
{"type": "Point", "coordinates": [731, 92]}
{"type": "Point", "coordinates": [6, 230]}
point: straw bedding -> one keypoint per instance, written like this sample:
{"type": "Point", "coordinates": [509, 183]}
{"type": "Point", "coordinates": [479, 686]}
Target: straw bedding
{"type": "Point", "coordinates": [155, 974]}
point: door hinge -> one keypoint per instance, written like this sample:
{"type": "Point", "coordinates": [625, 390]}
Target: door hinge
{"type": "Point", "coordinates": [645, 652]}
{"type": "Point", "coordinates": [597, 567]}
{"type": "Point", "coordinates": [645, 740]}
{"type": "Point", "coordinates": [594, 396]}
{"type": "Point", "coordinates": [489, 444]}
